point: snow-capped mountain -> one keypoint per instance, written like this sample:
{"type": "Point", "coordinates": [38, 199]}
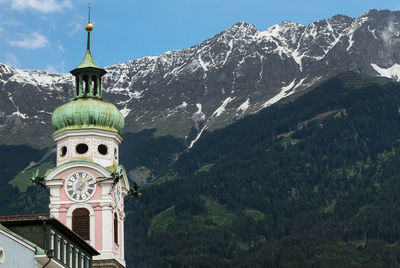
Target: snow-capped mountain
{"type": "Point", "coordinates": [234, 73]}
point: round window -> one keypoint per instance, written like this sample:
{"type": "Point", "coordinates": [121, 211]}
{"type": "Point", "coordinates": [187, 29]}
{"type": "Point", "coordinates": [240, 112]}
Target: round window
{"type": "Point", "coordinates": [102, 149]}
{"type": "Point", "coordinates": [82, 148]}
{"type": "Point", "coordinates": [1, 255]}
{"type": "Point", "coordinates": [63, 151]}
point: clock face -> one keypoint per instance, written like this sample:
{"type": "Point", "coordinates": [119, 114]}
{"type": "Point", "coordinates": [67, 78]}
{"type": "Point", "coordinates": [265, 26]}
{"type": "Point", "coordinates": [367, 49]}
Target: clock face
{"type": "Point", "coordinates": [80, 186]}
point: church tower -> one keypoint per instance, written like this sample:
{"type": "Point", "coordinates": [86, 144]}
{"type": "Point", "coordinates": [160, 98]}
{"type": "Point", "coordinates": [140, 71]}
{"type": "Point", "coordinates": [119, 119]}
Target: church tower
{"type": "Point", "coordinates": [88, 186]}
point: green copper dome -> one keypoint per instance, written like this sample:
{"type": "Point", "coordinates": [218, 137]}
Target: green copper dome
{"type": "Point", "coordinates": [88, 113]}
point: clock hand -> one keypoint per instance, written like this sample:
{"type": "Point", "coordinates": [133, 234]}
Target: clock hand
{"type": "Point", "coordinates": [80, 182]}
{"type": "Point", "coordinates": [83, 181]}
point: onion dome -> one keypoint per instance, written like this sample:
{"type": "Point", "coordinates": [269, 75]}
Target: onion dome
{"type": "Point", "coordinates": [88, 113]}
{"type": "Point", "coordinates": [88, 110]}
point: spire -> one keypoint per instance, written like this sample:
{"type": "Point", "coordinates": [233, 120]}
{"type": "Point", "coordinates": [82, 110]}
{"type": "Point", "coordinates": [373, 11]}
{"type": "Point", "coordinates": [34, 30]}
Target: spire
{"type": "Point", "coordinates": [88, 59]}
{"type": "Point", "coordinates": [88, 74]}
{"type": "Point", "coordinates": [88, 28]}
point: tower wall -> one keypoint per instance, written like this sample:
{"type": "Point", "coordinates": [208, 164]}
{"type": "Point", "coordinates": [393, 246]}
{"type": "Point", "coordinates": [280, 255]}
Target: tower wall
{"type": "Point", "coordinates": [106, 201]}
{"type": "Point", "coordinates": [96, 141]}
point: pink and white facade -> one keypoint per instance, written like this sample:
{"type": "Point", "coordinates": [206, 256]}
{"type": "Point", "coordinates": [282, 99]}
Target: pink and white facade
{"type": "Point", "coordinates": [105, 205]}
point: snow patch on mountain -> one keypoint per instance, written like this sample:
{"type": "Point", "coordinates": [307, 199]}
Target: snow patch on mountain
{"type": "Point", "coordinates": [198, 116]}
{"type": "Point", "coordinates": [6, 69]}
{"type": "Point", "coordinates": [19, 114]}
{"type": "Point", "coordinates": [221, 108]}
{"type": "Point", "coordinates": [183, 105]}
{"type": "Point", "coordinates": [353, 28]}
{"type": "Point", "coordinates": [373, 32]}
{"type": "Point", "coordinates": [244, 106]}
{"type": "Point", "coordinates": [39, 78]}
{"type": "Point", "coordinates": [229, 52]}
{"type": "Point", "coordinates": [197, 137]}
{"type": "Point", "coordinates": [203, 64]}
{"type": "Point", "coordinates": [286, 38]}
{"type": "Point", "coordinates": [391, 72]}
{"type": "Point", "coordinates": [282, 94]}
{"type": "Point", "coordinates": [125, 111]}
{"type": "Point", "coordinates": [131, 95]}
{"type": "Point", "coordinates": [300, 83]}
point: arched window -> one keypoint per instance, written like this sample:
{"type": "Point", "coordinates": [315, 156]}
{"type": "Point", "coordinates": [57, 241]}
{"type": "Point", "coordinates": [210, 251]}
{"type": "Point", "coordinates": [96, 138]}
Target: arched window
{"type": "Point", "coordinates": [116, 228]}
{"type": "Point", "coordinates": [77, 86]}
{"type": "Point", "coordinates": [81, 223]}
{"type": "Point", "coordinates": [94, 80]}
{"type": "Point", "coordinates": [86, 84]}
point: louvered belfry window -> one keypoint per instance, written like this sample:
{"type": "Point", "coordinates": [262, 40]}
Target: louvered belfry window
{"type": "Point", "coordinates": [115, 228]}
{"type": "Point", "coordinates": [80, 223]}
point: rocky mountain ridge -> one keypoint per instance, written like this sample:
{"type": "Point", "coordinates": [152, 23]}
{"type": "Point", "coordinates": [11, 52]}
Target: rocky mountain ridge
{"type": "Point", "coordinates": [185, 92]}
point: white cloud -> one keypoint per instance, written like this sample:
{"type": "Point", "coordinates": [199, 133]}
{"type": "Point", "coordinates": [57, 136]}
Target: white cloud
{"type": "Point", "coordinates": [60, 47]}
{"type": "Point", "coordinates": [11, 60]}
{"type": "Point", "coordinates": [51, 69]}
{"type": "Point", "coordinates": [10, 22]}
{"type": "Point", "coordinates": [390, 35]}
{"type": "Point", "coordinates": [75, 27]}
{"type": "Point", "coordinates": [3, 34]}
{"type": "Point", "coordinates": [57, 68]}
{"type": "Point", "coordinates": [44, 6]}
{"type": "Point", "coordinates": [33, 41]}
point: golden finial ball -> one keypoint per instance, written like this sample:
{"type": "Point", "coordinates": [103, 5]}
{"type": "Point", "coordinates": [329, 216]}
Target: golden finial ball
{"type": "Point", "coordinates": [89, 27]}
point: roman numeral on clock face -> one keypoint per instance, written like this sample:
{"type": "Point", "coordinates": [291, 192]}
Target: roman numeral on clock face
{"type": "Point", "coordinates": [80, 186]}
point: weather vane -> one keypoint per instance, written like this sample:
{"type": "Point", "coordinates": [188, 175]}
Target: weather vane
{"type": "Point", "coordinates": [89, 13]}
{"type": "Point", "coordinates": [89, 28]}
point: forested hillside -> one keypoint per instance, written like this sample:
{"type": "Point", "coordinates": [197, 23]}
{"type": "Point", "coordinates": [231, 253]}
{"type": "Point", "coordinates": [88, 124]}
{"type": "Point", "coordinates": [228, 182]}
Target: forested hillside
{"type": "Point", "coordinates": [311, 183]}
{"type": "Point", "coordinates": [308, 183]}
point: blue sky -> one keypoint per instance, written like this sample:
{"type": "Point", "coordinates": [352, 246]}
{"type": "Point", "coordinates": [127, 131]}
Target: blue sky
{"type": "Point", "coordinates": [49, 34]}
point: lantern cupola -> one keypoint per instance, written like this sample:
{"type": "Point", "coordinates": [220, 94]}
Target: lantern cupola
{"type": "Point", "coordinates": [88, 74]}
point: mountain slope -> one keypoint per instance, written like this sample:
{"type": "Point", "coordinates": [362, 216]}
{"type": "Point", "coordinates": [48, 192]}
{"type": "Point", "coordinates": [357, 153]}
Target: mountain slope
{"type": "Point", "coordinates": [309, 183]}
{"type": "Point", "coordinates": [208, 86]}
